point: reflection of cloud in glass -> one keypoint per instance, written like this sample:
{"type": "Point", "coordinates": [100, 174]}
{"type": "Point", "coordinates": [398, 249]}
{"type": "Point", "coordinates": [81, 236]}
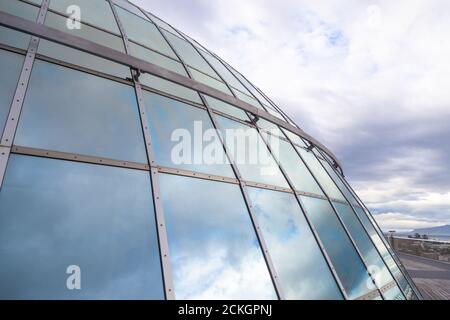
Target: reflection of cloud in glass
{"type": "Point", "coordinates": [77, 112]}
{"type": "Point", "coordinates": [298, 260]}
{"type": "Point", "coordinates": [365, 246]}
{"type": "Point", "coordinates": [348, 264]}
{"type": "Point", "coordinates": [57, 213]}
{"type": "Point", "coordinates": [213, 247]}
{"type": "Point", "coordinates": [250, 171]}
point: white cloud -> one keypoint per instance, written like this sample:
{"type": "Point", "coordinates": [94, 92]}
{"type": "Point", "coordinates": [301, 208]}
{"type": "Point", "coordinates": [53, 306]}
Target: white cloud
{"type": "Point", "coordinates": [358, 75]}
{"type": "Point", "coordinates": [403, 222]}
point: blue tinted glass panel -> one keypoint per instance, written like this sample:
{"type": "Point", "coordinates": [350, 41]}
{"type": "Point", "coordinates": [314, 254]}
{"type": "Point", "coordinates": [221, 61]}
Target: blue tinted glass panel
{"type": "Point", "coordinates": [299, 263]}
{"type": "Point", "coordinates": [373, 259]}
{"type": "Point", "coordinates": [156, 58]}
{"type": "Point", "coordinates": [72, 111]}
{"type": "Point", "coordinates": [177, 131]}
{"type": "Point", "coordinates": [250, 153]}
{"type": "Point", "coordinates": [14, 38]}
{"type": "Point", "coordinates": [226, 108]}
{"type": "Point", "coordinates": [339, 183]}
{"type": "Point", "coordinates": [10, 66]}
{"type": "Point", "coordinates": [55, 214]}
{"type": "Point", "coordinates": [20, 9]}
{"type": "Point", "coordinates": [213, 247]}
{"type": "Point", "coordinates": [87, 32]}
{"type": "Point", "coordinates": [144, 32]}
{"type": "Point", "coordinates": [348, 264]}
{"type": "Point", "coordinates": [96, 12]}
{"type": "Point", "coordinates": [321, 175]}
{"type": "Point", "coordinates": [209, 81]}
{"type": "Point", "coordinates": [169, 87]}
{"type": "Point", "coordinates": [82, 59]}
{"type": "Point", "coordinates": [290, 161]}
{"type": "Point", "coordinates": [188, 54]}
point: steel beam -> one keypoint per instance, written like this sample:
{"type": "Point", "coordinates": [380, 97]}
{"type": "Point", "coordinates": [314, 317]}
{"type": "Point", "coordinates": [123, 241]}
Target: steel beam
{"type": "Point", "coordinates": [75, 42]}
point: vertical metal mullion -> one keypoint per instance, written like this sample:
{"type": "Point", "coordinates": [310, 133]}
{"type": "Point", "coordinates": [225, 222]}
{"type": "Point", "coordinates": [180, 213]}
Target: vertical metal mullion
{"type": "Point", "coordinates": [360, 222]}
{"type": "Point", "coordinates": [19, 96]}
{"type": "Point", "coordinates": [265, 252]}
{"type": "Point", "coordinates": [366, 232]}
{"type": "Point", "coordinates": [260, 237]}
{"type": "Point", "coordinates": [377, 230]}
{"type": "Point", "coordinates": [158, 207]}
{"type": "Point", "coordinates": [211, 66]}
{"type": "Point", "coordinates": [308, 220]}
{"type": "Point", "coordinates": [337, 216]}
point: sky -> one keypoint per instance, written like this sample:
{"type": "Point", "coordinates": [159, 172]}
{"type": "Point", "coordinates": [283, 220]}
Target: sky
{"type": "Point", "coordinates": [369, 79]}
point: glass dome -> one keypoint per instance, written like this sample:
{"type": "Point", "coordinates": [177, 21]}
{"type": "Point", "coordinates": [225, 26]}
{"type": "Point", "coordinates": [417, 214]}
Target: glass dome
{"type": "Point", "coordinates": [137, 164]}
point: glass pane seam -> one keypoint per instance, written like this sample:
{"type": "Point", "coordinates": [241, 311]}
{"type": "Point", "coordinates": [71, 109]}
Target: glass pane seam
{"type": "Point", "coordinates": [72, 66]}
{"type": "Point", "coordinates": [158, 208]}
{"type": "Point", "coordinates": [76, 157]}
{"type": "Point", "coordinates": [317, 238]}
{"type": "Point", "coordinates": [65, 15]}
{"type": "Point", "coordinates": [263, 246]}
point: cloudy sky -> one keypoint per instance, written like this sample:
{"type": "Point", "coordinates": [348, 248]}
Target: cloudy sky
{"type": "Point", "coordinates": [367, 78]}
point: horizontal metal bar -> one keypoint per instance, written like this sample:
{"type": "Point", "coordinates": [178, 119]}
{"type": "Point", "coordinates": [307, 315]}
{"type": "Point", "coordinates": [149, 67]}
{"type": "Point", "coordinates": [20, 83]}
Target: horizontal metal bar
{"type": "Point", "coordinates": [75, 42]}
{"type": "Point", "coordinates": [267, 186]}
{"type": "Point", "coordinates": [194, 174]}
{"type": "Point", "coordinates": [78, 157]}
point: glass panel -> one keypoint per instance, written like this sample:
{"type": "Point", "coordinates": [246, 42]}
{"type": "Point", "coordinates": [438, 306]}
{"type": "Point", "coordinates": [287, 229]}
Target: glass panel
{"type": "Point", "coordinates": [55, 214]}
{"type": "Point", "coordinates": [294, 138]}
{"type": "Point", "coordinates": [83, 59]}
{"type": "Point", "coordinates": [300, 265]}
{"type": "Point", "coordinates": [144, 32]}
{"type": "Point", "coordinates": [214, 251]}
{"type": "Point", "coordinates": [14, 38]}
{"type": "Point", "coordinates": [348, 264]}
{"type": "Point", "coordinates": [130, 7]}
{"type": "Point", "coordinates": [103, 38]}
{"type": "Point", "coordinates": [38, 2]}
{"type": "Point", "coordinates": [188, 54]}
{"type": "Point", "coordinates": [269, 126]}
{"type": "Point", "coordinates": [393, 294]}
{"type": "Point", "coordinates": [183, 137]}
{"type": "Point", "coordinates": [10, 66]}
{"type": "Point", "coordinates": [156, 58]}
{"type": "Point", "coordinates": [169, 87]}
{"type": "Point", "coordinates": [392, 265]}
{"type": "Point", "coordinates": [95, 12]}
{"type": "Point", "coordinates": [20, 9]}
{"type": "Point", "coordinates": [374, 261]}
{"type": "Point", "coordinates": [224, 72]}
{"type": "Point", "coordinates": [226, 108]}
{"type": "Point", "coordinates": [73, 111]}
{"type": "Point", "coordinates": [203, 78]}
{"type": "Point", "coordinates": [250, 153]}
{"type": "Point", "coordinates": [247, 99]}
{"type": "Point", "coordinates": [290, 161]}
{"type": "Point", "coordinates": [321, 175]}
{"type": "Point", "coordinates": [162, 24]}
{"type": "Point", "coordinates": [340, 184]}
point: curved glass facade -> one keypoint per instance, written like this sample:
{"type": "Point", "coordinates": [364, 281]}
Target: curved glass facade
{"type": "Point", "coordinates": [137, 164]}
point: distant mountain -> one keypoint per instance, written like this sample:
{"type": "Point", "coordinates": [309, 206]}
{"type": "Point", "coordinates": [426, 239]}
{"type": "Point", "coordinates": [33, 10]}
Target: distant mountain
{"type": "Point", "coordinates": [441, 230]}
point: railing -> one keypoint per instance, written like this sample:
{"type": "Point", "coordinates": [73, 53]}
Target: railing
{"type": "Point", "coordinates": [427, 248]}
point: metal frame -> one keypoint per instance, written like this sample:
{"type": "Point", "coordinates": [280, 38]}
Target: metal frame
{"type": "Point", "coordinates": [12, 121]}
{"type": "Point", "coordinates": [264, 250]}
{"type": "Point", "coordinates": [311, 226]}
{"type": "Point", "coordinates": [161, 230]}
{"type": "Point", "coordinates": [138, 64]}
{"type": "Point", "coordinates": [259, 235]}
{"type": "Point", "coordinates": [378, 230]}
{"type": "Point", "coordinates": [348, 203]}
